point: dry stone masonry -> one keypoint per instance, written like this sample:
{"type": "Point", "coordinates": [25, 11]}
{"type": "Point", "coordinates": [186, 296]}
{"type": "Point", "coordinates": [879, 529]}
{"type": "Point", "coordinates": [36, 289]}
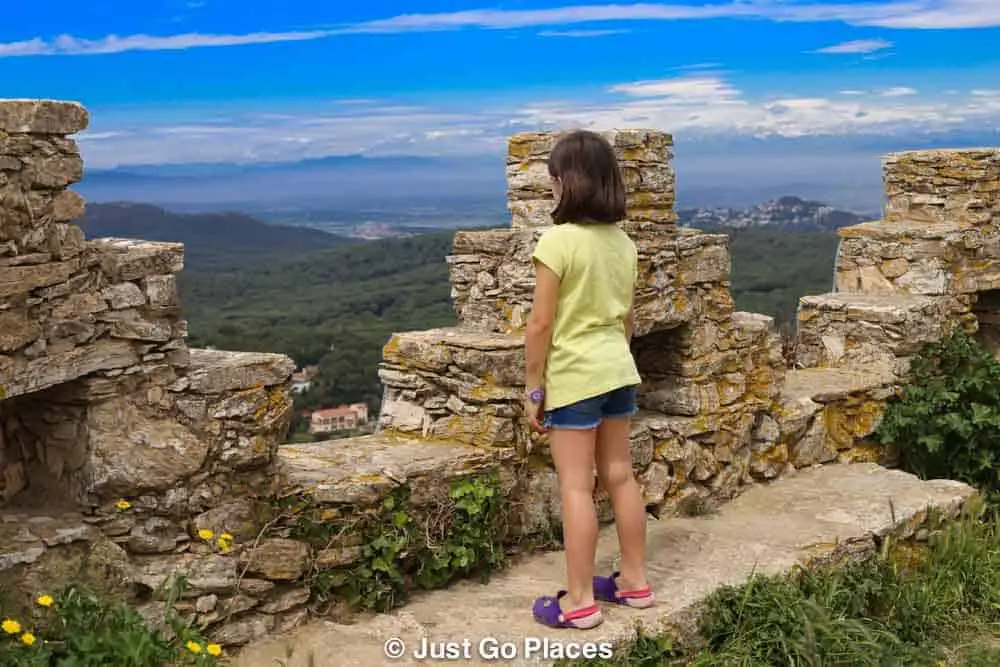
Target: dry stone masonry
{"type": "Point", "coordinates": [118, 444]}
{"type": "Point", "coordinates": [721, 408]}
{"type": "Point", "coordinates": [135, 459]}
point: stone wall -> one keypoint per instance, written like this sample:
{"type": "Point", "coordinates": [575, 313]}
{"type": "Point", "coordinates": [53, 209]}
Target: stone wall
{"type": "Point", "coordinates": [126, 453]}
{"type": "Point", "coordinates": [119, 446]}
{"type": "Point", "coordinates": [645, 163]}
{"type": "Point", "coordinates": [721, 408]}
{"type": "Point", "coordinates": [682, 276]}
{"type": "Point", "coordinates": [957, 187]}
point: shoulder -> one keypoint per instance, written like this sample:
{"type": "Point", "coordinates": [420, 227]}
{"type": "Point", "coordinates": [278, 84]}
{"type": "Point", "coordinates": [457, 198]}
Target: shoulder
{"type": "Point", "coordinates": [558, 237]}
{"type": "Point", "coordinates": [554, 247]}
{"type": "Point", "coordinates": [558, 232]}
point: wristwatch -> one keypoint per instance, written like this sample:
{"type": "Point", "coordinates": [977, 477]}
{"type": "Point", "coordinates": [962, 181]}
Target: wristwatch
{"type": "Point", "coordinates": [536, 395]}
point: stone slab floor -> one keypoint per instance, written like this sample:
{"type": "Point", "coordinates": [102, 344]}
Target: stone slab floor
{"type": "Point", "coordinates": [814, 513]}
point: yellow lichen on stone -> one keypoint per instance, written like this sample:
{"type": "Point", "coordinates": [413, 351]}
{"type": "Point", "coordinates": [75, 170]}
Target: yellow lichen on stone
{"type": "Point", "coordinates": [776, 454]}
{"type": "Point", "coordinates": [275, 401]}
{"type": "Point", "coordinates": [848, 421]}
{"type": "Point", "coordinates": [390, 351]}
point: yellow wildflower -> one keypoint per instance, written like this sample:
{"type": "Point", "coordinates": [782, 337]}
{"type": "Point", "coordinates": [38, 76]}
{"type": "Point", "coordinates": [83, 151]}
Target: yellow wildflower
{"type": "Point", "coordinates": [214, 649]}
{"type": "Point", "coordinates": [227, 537]}
{"type": "Point", "coordinates": [10, 626]}
{"type": "Point", "coordinates": [45, 600]}
{"type": "Point", "coordinates": [205, 534]}
{"type": "Point", "coordinates": [28, 639]}
{"type": "Point", "coordinates": [225, 545]}
{"type": "Point", "coordinates": [123, 504]}
{"type": "Point", "coordinates": [194, 647]}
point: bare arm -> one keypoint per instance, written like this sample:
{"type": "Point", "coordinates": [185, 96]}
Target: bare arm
{"type": "Point", "coordinates": [538, 334]}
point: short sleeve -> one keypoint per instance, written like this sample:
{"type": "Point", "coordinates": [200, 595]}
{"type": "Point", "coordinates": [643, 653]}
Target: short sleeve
{"type": "Point", "coordinates": [551, 252]}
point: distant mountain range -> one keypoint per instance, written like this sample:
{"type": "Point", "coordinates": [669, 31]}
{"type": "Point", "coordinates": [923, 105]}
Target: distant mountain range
{"type": "Point", "coordinates": [790, 214]}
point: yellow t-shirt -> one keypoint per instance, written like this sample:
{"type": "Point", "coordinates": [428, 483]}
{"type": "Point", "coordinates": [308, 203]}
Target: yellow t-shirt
{"type": "Point", "coordinates": [589, 355]}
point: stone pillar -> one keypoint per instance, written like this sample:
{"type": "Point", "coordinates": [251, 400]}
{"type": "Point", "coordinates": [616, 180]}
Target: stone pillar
{"type": "Point", "coordinates": [37, 162]}
{"type": "Point", "coordinates": [644, 157]}
{"type": "Point", "coordinates": [959, 187]}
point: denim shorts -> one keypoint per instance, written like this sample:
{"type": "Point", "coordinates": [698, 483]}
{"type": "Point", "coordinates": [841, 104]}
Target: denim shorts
{"type": "Point", "coordinates": [590, 412]}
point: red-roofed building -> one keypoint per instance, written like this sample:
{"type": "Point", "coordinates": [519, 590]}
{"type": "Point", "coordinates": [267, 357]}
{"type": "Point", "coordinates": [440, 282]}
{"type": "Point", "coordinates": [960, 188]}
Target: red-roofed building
{"type": "Point", "coordinates": [341, 418]}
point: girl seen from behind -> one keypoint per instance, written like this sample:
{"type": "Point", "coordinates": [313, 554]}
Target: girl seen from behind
{"type": "Point", "coordinates": [581, 377]}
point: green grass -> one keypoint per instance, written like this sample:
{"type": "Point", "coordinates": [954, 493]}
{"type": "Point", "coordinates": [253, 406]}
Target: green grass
{"type": "Point", "coordinates": [934, 605]}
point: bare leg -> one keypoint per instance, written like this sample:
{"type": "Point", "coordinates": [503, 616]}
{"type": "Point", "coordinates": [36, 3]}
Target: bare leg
{"type": "Point", "coordinates": [573, 454]}
{"type": "Point", "coordinates": [614, 469]}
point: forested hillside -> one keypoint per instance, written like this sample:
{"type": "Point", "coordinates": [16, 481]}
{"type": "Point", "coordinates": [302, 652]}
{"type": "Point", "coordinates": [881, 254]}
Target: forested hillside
{"type": "Point", "coordinates": [326, 300]}
{"type": "Point", "coordinates": [212, 240]}
{"type": "Point", "coordinates": [338, 307]}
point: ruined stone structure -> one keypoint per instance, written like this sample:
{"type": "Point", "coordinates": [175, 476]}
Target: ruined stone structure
{"type": "Point", "coordinates": [124, 452]}
{"type": "Point", "coordinates": [118, 443]}
{"type": "Point", "coordinates": [720, 409]}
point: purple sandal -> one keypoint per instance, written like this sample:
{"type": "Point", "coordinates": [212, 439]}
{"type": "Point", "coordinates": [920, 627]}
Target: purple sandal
{"type": "Point", "coordinates": [548, 612]}
{"type": "Point", "coordinates": [606, 589]}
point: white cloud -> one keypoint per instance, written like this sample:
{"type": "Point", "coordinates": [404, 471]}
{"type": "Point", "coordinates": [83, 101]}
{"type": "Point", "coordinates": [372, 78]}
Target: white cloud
{"type": "Point", "coordinates": [699, 66]}
{"type": "Point", "coordinates": [856, 46]}
{"type": "Point", "coordinates": [691, 89]}
{"type": "Point", "coordinates": [28, 47]}
{"type": "Point", "coordinates": [852, 92]}
{"type": "Point", "coordinates": [69, 45]}
{"type": "Point", "coordinates": [898, 91]}
{"type": "Point", "coordinates": [581, 33]}
{"type": "Point", "coordinates": [692, 107]}
{"type": "Point", "coordinates": [930, 14]}
{"type": "Point", "coordinates": [916, 14]}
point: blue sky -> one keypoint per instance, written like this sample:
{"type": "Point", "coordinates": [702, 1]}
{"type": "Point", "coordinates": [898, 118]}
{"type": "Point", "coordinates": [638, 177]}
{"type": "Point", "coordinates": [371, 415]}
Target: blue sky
{"type": "Point", "coordinates": [171, 81]}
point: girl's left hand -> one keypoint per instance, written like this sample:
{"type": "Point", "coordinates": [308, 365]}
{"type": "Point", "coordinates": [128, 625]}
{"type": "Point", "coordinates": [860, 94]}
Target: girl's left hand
{"type": "Point", "coordinates": [533, 413]}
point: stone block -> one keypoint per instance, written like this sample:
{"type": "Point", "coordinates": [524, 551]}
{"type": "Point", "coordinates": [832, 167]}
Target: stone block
{"type": "Point", "coordinates": [960, 187]}
{"type": "Point", "coordinates": [682, 275]}
{"type": "Point", "coordinates": [643, 156]}
{"type": "Point", "coordinates": [218, 371]}
{"type": "Point", "coordinates": [824, 412]}
{"type": "Point", "coordinates": [42, 117]}
{"type": "Point", "coordinates": [362, 471]}
{"type": "Point", "coordinates": [457, 384]}
{"type": "Point", "coordinates": [860, 330]}
{"type": "Point", "coordinates": [128, 259]}
{"type": "Point", "coordinates": [699, 369]}
{"type": "Point", "coordinates": [908, 257]}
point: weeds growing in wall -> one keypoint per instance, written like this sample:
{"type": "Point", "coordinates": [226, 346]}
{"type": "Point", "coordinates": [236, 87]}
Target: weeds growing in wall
{"type": "Point", "coordinates": [78, 627]}
{"type": "Point", "coordinates": [456, 531]}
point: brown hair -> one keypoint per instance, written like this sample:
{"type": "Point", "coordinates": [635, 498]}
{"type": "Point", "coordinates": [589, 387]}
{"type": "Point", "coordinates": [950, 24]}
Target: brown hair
{"type": "Point", "coordinates": [592, 186]}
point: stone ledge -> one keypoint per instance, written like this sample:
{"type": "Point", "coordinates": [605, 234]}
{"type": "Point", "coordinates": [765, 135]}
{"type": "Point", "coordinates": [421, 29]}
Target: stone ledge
{"type": "Point", "coordinates": [217, 371]}
{"type": "Point", "coordinates": [825, 514]}
{"type": "Point", "coordinates": [131, 259]}
{"type": "Point", "coordinates": [42, 117]}
{"type": "Point", "coordinates": [25, 536]}
{"type": "Point", "coordinates": [857, 330]}
{"type": "Point", "coordinates": [362, 470]}
{"type": "Point", "coordinates": [825, 385]}
{"type": "Point", "coordinates": [902, 230]}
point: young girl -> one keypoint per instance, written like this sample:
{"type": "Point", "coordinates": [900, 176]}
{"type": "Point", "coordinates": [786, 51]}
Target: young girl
{"type": "Point", "coordinates": [581, 376]}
